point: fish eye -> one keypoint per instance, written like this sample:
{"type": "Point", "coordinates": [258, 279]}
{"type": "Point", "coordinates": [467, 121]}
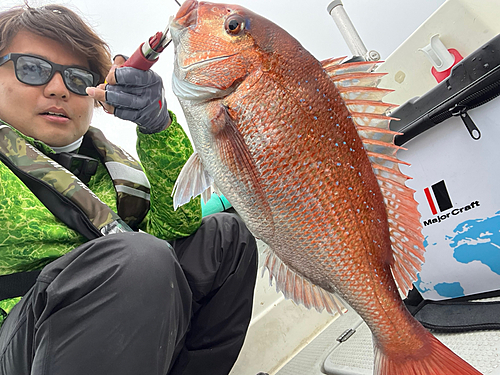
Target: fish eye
{"type": "Point", "coordinates": [235, 24]}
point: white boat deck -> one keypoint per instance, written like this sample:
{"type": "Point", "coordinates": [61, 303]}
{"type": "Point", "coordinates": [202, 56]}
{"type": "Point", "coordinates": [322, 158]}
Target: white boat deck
{"type": "Point", "coordinates": [327, 356]}
{"type": "Point", "coordinates": [286, 339]}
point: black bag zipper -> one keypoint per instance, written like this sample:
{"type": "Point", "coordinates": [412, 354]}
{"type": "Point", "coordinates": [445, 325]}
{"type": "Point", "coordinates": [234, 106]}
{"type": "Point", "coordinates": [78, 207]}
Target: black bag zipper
{"type": "Point", "coordinates": [474, 81]}
{"type": "Point", "coordinates": [472, 101]}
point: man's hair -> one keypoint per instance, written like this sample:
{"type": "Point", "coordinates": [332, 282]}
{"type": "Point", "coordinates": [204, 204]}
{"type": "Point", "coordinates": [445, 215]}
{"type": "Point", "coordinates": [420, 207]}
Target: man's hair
{"type": "Point", "coordinates": [60, 24]}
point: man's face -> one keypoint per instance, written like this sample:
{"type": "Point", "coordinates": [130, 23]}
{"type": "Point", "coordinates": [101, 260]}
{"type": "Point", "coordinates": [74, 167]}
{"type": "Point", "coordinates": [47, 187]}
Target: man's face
{"type": "Point", "coordinates": [27, 107]}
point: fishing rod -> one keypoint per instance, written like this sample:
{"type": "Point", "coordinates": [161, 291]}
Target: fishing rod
{"type": "Point", "coordinates": [148, 52]}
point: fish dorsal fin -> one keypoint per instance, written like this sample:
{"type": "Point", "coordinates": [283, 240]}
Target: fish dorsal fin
{"type": "Point", "coordinates": [353, 67]}
{"type": "Point", "coordinates": [357, 79]}
{"type": "Point", "coordinates": [353, 93]}
{"type": "Point", "coordinates": [358, 87]}
{"type": "Point", "coordinates": [297, 288]}
{"type": "Point", "coordinates": [332, 62]}
{"type": "Point", "coordinates": [349, 75]}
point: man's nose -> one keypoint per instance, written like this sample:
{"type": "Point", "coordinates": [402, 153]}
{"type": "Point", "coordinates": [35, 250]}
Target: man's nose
{"type": "Point", "coordinates": [56, 87]}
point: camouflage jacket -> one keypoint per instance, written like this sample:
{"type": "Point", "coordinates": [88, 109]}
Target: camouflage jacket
{"type": "Point", "coordinates": [31, 236]}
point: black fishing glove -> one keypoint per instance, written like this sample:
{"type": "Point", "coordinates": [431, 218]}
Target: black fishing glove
{"type": "Point", "coordinates": [139, 96]}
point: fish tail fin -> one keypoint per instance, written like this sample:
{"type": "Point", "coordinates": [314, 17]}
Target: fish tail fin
{"type": "Point", "coordinates": [439, 361]}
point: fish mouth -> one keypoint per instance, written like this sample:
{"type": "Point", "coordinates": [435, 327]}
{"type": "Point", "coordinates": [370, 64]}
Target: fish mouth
{"type": "Point", "coordinates": [198, 64]}
{"type": "Point", "coordinates": [187, 17]}
{"type": "Point", "coordinates": [187, 14]}
{"type": "Point", "coordinates": [189, 91]}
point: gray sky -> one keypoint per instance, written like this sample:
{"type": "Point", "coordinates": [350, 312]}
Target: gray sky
{"type": "Point", "coordinates": [125, 24]}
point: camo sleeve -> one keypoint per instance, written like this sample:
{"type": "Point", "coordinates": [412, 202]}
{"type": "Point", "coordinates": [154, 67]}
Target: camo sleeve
{"type": "Point", "coordinates": [162, 156]}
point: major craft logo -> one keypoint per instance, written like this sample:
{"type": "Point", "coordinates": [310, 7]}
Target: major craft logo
{"type": "Point", "coordinates": [438, 197]}
{"type": "Point", "coordinates": [441, 196]}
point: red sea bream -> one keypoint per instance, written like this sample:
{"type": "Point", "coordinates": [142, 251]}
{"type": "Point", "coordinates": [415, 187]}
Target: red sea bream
{"type": "Point", "coordinates": [303, 151]}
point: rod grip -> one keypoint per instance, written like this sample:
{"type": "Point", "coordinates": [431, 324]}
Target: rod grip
{"type": "Point", "coordinates": [138, 61]}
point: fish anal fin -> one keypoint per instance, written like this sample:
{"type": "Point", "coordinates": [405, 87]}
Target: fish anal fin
{"type": "Point", "coordinates": [191, 182]}
{"type": "Point", "coordinates": [300, 290]}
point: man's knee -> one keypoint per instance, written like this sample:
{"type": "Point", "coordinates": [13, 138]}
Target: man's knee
{"type": "Point", "coordinates": [120, 261]}
{"type": "Point", "coordinates": [143, 249]}
{"type": "Point", "coordinates": [144, 259]}
{"type": "Point", "coordinates": [222, 246]}
{"type": "Point", "coordinates": [231, 229]}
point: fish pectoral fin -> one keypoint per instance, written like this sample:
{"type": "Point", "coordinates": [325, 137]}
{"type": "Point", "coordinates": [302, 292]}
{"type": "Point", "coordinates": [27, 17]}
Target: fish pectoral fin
{"type": "Point", "coordinates": [191, 182]}
{"type": "Point", "coordinates": [234, 153]}
{"type": "Point", "coordinates": [300, 290]}
{"type": "Point", "coordinates": [239, 171]}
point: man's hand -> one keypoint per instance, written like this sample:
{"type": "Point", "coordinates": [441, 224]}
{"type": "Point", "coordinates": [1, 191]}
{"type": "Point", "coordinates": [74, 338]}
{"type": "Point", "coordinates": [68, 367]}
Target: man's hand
{"type": "Point", "coordinates": [134, 95]}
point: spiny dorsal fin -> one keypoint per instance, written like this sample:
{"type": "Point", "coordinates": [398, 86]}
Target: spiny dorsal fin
{"type": "Point", "coordinates": [376, 107]}
{"type": "Point", "coordinates": [354, 67]}
{"type": "Point", "coordinates": [357, 79]}
{"type": "Point", "coordinates": [358, 87]}
{"type": "Point", "coordinates": [298, 289]}
{"type": "Point", "coordinates": [331, 62]}
{"type": "Point", "coordinates": [362, 93]}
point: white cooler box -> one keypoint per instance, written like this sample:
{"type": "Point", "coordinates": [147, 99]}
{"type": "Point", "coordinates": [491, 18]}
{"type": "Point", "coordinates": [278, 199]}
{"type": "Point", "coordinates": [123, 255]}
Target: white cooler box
{"type": "Point", "coordinates": [452, 136]}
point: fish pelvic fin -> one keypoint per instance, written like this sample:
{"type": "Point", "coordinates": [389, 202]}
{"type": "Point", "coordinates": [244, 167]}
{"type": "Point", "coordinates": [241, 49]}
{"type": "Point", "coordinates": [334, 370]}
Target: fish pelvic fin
{"type": "Point", "coordinates": [298, 289]}
{"type": "Point", "coordinates": [357, 85]}
{"type": "Point", "coordinates": [192, 181]}
{"type": "Point", "coordinates": [439, 360]}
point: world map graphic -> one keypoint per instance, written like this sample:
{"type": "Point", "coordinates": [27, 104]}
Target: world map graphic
{"type": "Point", "coordinates": [471, 240]}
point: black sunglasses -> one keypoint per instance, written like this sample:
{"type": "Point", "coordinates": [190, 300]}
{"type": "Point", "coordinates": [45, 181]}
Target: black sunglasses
{"type": "Point", "coordinates": [36, 71]}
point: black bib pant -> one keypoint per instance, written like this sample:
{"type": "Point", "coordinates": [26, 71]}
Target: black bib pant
{"type": "Point", "coordinates": [126, 304]}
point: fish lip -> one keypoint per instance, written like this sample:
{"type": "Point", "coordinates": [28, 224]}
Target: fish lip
{"type": "Point", "coordinates": [187, 15]}
{"type": "Point", "coordinates": [192, 92]}
{"type": "Point", "coordinates": [205, 62]}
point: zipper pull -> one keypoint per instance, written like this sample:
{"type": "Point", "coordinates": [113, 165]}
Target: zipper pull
{"type": "Point", "coordinates": [460, 110]}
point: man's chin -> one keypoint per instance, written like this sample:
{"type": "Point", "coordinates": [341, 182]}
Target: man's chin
{"type": "Point", "coordinates": [60, 141]}
{"type": "Point", "coordinates": [60, 137]}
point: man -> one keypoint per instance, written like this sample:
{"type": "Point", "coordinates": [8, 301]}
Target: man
{"type": "Point", "coordinates": [108, 299]}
